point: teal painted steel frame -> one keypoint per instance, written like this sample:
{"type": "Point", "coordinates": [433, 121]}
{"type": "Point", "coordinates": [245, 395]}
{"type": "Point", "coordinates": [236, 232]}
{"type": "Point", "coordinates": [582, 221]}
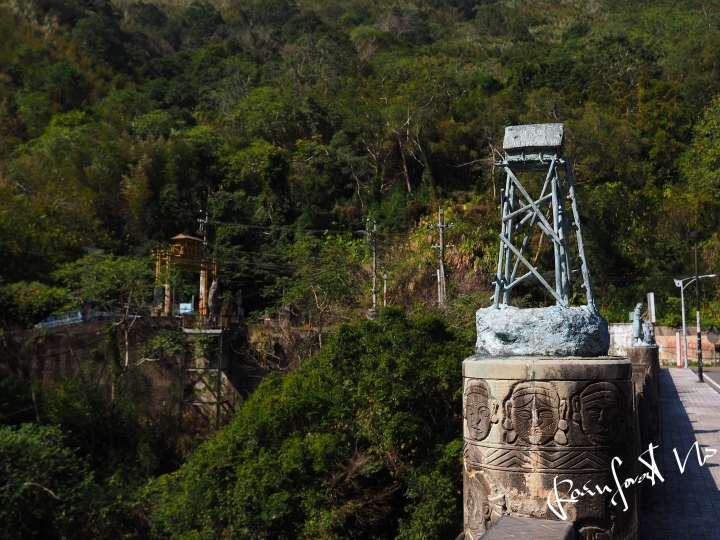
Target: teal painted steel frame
{"type": "Point", "coordinates": [519, 208]}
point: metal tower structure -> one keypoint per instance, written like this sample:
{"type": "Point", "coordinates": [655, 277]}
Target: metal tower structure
{"type": "Point", "coordinates": [531, 149]}
{"type": "Point", "coordinates": [204, 376]}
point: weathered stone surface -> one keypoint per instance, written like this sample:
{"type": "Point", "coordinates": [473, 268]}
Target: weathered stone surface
{"type": "Point", "coordinates": [526, 428]}
{"type": "Point", "coordinates": [529, 529]}
{"type": "Point", "coordinates": [548, 331]}
{"type": "Point", "coordinates": [649, 358]}
{"type": "Point", "coordinates": [534, 368]}
{"type": "Point", "coordinates": [645, 375]}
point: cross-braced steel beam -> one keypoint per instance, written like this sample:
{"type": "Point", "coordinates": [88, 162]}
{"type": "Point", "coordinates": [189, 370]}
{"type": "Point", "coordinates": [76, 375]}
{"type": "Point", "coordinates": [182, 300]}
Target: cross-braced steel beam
{"type": "Point", "coordinates": [522, 215]}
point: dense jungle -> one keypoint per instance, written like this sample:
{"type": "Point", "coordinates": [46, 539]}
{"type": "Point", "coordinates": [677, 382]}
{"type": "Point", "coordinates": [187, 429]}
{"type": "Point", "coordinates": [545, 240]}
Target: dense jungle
{"type": "Point", "coordinates": [292, 125]}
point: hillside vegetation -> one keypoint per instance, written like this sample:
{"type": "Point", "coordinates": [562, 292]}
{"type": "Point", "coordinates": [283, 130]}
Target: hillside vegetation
{"type": "Point", "coordinates": [122, 122]}
{"type": "Point", "coordinates": [291, 123]}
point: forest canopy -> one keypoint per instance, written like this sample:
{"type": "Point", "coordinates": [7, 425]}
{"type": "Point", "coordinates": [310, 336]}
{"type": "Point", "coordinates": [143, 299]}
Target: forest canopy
{"type": "Point", "coordinates": [122, 123]}
{"type": "Point", "coordinates": [296, 127]}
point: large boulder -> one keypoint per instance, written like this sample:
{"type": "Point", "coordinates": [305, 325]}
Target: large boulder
{"type": "Point", "coordinates": [548, 331]}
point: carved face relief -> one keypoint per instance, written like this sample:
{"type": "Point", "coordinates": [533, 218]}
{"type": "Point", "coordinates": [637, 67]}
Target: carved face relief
{"type": "Point", "coordinates": [477, 507]}
{"type": "Point", "coordinates": [533, 410]}
{"type": "Point", "coordinates": [478, 409]}
{"type": "Point", "coordinates": [601, 412]}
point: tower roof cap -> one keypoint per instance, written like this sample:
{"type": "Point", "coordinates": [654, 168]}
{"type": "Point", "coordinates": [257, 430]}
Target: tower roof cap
{"type": "Point", "coordinates": [533, 136]}
{"type": "Point", "coordinates": [186, 237]}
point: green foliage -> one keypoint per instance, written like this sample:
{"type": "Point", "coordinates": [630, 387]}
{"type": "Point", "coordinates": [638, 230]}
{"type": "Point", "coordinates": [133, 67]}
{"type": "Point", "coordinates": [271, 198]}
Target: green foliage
{"type": "Point", "coordinates": [701, 164]}
{"type": "Point", "coordinates": [30, 302]}
{"type": "Point", "coordinates": [47, 491]}
{"type": "Point", "coordinates": [165, 343]}
{"type": "Point", "coordinates": [78, 472]}
{"type": "Point", "coordinates": [100, 38]}
{"type": "Point", "coordinates": [146, 14]}
{"type": "Point", "coordinates": [672, 315]}
{"type": "Point", "coordinates": [197, 24]}
{"type": "Point", "coordinates": [364, 436]}
{"type": "Point", "coordinates": [327, 281]}
{"type": "Point", "coordinates": [279, 118]}
{"type": "Point", "coordinates": [272, 13]}
{"type": "Point", "coordinates": [121, 122]}
{"type": "Point", "coordinates": [120, 284]}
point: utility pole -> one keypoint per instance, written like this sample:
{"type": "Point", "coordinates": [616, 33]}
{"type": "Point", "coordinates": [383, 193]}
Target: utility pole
{"type": "Point", "coordinates": [202, 301]}
{"type": "Point", "coordinates": [371, 239]}
{"type": "Point", "coordinates": [695, 235]}
{"type": "Point", "coordinates": [373, 244]}
{"type": "Point", "coordinates": [385, 278]}
{"type": "Point", "coordinates": [441, 226]}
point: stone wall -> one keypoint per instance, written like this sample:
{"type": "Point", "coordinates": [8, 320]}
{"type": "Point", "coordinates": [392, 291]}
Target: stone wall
{"type": "Point", "coordinates": [49, 355]}
{"type": "Point", "coordinates": [621, 339]}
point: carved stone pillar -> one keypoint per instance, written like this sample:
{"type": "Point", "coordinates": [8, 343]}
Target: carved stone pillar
{"type": "Point", "coordinates": [645, 376]}
{"type": "Point", "coordinates": [649, 357]}
{"type": "Point", "coordinates": [530, 422]}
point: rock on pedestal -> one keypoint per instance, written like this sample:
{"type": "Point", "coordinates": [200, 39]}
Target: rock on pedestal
{"type": "Point", "coordinates": [549, 331]}
{"type": "Point", "coordinates": [531, 422]}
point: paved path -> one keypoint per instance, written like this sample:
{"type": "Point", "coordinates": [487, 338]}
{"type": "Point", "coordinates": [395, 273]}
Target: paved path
{"type": "Point", "coordinates": [685, 506]}
{"type": "Point", "coordinates": [712, 373]}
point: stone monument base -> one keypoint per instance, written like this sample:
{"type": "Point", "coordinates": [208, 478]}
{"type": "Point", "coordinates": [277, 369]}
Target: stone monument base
{"type": "Point", "coordinates": [540, 431]}
{"type": "Point", "coordinates": [649, 357]}
{"type": "Point", "coordinates": [646, 380]}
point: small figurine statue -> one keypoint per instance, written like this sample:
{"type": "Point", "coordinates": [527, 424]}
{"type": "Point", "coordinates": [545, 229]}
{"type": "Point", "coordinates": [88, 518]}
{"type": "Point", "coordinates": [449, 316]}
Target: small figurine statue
{"type": "Point", "coordinates": [637, 326]}
{"type": "Point", "coordinates": [212, 297]}
{"type": "Point", "coordinates": [649, 334]}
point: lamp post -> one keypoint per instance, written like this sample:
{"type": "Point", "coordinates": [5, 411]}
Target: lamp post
{"type": "Point", "coordinates": [679, 283]}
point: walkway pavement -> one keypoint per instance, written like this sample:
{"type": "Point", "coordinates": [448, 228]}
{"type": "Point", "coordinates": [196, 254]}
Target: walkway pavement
{"type": "Point", "coordinates": [712, 373]}
{"type": "Point", "coordinates": [687, 505]}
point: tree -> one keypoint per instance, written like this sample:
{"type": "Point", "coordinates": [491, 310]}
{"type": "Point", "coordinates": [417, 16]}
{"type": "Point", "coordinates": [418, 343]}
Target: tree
{"type": "Point", "coordinates": [119, 285]}
{"type": "Point", "coordinates": [700, 164]}
{"type": "Point", "coordinates": [363, 437]}
{"type": "Point", "coordinates": [46, 491]}
{"type": "Point", "coordinates": [26, 303]}
{"type": "Point", "coordinates": [327, 282]}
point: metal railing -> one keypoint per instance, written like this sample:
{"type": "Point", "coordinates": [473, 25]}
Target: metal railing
{"type": "Point", "coordinates": [207, 322]}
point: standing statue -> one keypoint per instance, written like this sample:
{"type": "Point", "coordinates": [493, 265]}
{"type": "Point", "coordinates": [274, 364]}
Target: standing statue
{"type": "Point", "coordinates": [637, 325]}
{"type": "Point", "coordinates": [212, 297]}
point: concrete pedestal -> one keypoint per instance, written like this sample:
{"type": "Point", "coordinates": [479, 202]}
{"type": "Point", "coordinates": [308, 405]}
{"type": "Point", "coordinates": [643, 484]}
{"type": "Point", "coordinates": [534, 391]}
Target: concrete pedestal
{"type": "Point", "coordinates": [524, 528]}
{"type": "Point", "coordinates": [645, 377]}
{"type": "Point", "coordinates": [531, 423]}
{"type": "Point", "coordinates": [649, 359]}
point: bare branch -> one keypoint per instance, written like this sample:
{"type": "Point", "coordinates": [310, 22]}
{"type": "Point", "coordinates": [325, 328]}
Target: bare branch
{"type": "Point", "coordinates": [42, 487]}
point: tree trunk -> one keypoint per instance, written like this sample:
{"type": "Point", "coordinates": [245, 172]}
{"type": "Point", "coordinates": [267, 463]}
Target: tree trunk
{"type": "Point", "coordinates": [431, 182]}
{"type": "Point", "coordinates": [126, 331]}
{"type": "Point", "coordinates": [404, 161]}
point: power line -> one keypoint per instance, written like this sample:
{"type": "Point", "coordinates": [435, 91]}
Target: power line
{"type": "Point", "coordinates": [290, 228]}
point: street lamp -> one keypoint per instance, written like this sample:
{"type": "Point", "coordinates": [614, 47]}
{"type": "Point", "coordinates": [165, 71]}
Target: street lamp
{"type": "Point", "coordinates": [679, 283]}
